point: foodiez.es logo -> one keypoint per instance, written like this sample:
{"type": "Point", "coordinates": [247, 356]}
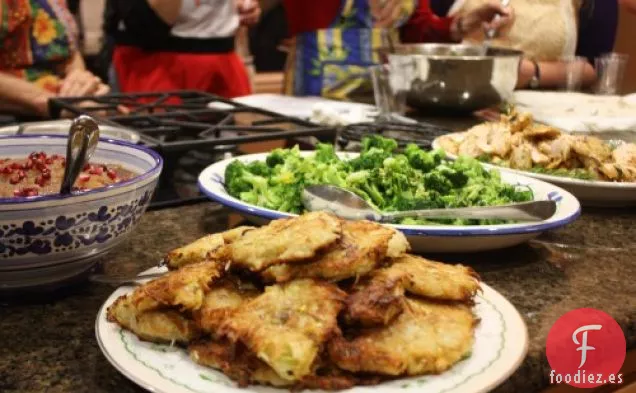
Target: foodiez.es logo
{"type": "Point", "coordinates": [586, 349]}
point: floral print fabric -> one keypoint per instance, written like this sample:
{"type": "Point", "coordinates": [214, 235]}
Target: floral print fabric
{"type": "Point", "coordinates": [37, 39]}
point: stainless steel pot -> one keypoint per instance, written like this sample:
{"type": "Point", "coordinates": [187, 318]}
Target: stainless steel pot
{"type": "Point", "coordinates": [61, 127]}
{"type": "Point", "coordinates": [454, 77]}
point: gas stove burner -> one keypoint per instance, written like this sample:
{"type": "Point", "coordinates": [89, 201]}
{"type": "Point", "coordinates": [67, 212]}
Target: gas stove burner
{"type": "Point", "coordinates": [185, 120]}
{"type": "Point", "coordinates": [422, 134]}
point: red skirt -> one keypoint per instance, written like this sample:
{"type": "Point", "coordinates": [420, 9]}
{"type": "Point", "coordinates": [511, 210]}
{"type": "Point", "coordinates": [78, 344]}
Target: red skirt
{"type": "Point", "coordinates": [223, 74]}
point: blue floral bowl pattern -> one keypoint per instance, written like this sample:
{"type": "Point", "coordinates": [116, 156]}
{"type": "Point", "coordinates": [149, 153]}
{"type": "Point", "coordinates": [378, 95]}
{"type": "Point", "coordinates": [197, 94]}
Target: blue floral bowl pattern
{"type": "Point", "coordinates": [52, 230]}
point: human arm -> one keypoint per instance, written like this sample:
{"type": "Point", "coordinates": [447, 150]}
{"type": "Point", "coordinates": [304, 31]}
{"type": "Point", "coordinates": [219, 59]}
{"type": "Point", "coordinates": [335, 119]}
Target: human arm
{"type": "Point", "coordinates": [552, 74]}
{"type": "Point", "coordinates": [425, 26]}
{"type": "Point", "coordinates": [21, 96]}
{"type": "Point", "coordinates": [630, 5]}
{"type": "Point", "coordinates": [168, 10]}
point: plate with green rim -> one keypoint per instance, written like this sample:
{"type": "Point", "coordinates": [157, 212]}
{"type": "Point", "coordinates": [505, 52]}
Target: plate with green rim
{"type": "Point", "coordinates": [501, 344]}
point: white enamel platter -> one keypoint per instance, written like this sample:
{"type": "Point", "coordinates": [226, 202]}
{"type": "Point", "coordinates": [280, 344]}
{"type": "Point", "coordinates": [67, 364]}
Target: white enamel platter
{"type": "Point", "coordinates": [423, 238]}
{"type": "Point", "coordinates": [589, 192]}
{"type": "Point", "coordinates": [501, 342]}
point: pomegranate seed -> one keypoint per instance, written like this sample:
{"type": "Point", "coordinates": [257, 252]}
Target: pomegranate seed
{"type": "Point", "coordinates": [15, 178]}
{"type": "Point", "coordinates": [86, 167]}
{"type": "Point", "coordinates": [15, 165]}
{"type": "Point", "coordinates": [21, 174]}
{"type": "Point", "coordinates": [46, 174]}
{"type": "Point", "coordinates": [28, 164]}
{"type": "Point", "coordinates": [111, 174]}
{"type": "Point", "coordinates": [40, 165]}
{"type": "Point", "coordinates": [32, 192]}
{"type": "Point", "coordinates": [84, 177]}
{"type": "Point", "coordinates": [17, 192]}
{"type": "Point", "coordinates": [96, 170]}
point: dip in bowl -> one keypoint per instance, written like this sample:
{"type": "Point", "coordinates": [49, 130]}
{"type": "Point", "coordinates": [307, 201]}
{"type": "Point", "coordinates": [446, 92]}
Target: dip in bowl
{"type": "Point", "coordinates": [43, 232]}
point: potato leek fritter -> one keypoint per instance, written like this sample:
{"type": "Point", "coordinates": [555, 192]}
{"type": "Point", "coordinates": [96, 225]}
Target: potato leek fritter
{"type": "Point", "coordinates": [427, 337]}
{"type": "Point", "coordinates": [288, 324]}
{"type": "Point", "coordinates": [363, 246]}
{"type": "Point", "coordinates": [219, 303]}
{"type": "Point", "coordinates": [400, 314]}
{"type": "Point", "coordinates": [378, 300]}
{"type": "Point", "coordinates": [162, 326]}
{"type": "Point", "coordinates": [208, 248]}
{"type": "Point", "coordinates": [286, 240]}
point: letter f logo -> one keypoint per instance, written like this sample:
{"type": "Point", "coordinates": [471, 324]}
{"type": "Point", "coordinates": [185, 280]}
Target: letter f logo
{"type": "Point", "coordinates": [584, 347]}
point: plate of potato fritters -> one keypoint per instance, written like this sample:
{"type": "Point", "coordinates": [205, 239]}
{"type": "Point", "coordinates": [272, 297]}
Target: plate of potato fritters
{"type": "Point", "coordinates": [311, 302]}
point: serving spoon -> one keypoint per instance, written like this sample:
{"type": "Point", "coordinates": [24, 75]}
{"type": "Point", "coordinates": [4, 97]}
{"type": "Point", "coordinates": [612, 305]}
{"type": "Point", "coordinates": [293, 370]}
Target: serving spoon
{"type": "Point", "coordinates": [82, 141]}
{"type": "Point", "coordinates": [348, 205]}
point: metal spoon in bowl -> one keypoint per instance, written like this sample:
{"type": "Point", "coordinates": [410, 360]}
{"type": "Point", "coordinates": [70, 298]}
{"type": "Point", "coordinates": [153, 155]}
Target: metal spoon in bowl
{"type": "Point", "coordinates": [82, 142]}
{"type": "Point", "coordinates": [348, 205]}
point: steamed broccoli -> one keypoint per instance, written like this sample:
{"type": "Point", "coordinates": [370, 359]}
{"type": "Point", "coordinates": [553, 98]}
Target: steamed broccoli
{"type": "Point", "coordinates": [387, 179]}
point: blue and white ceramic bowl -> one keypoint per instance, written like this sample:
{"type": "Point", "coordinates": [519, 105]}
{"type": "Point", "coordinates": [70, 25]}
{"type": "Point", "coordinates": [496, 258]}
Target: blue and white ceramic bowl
{"type": "Point", "coordinates": [423, 238]}
{"type": "Point", "coordinates": [51, 233]}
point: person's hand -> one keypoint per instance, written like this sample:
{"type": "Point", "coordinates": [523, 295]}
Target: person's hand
{"type": "Point", "coordinates": [483, 17]}
{"type": "Point", "coordinates": [249, 12]}
{"type": "Point", "coordinates": [79, 83]}
{"type": "Point", "coordinates": [385, 13]}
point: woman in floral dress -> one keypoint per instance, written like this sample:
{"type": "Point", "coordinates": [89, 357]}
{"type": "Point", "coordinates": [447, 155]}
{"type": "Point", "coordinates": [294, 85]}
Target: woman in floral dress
{"type": "Point", "coordinates": [39, 57]}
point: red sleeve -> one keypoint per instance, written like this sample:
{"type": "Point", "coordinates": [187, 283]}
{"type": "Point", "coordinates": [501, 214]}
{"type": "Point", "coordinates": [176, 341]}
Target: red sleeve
{"type": "Point", "coordinates": [309, 15]}
{"type": "Point", "coordinates": [425, 26]}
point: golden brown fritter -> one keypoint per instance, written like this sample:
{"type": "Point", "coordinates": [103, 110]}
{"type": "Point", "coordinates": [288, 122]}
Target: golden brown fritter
{"type": "Point", "coordinates": [184, 288]}
{"type": "Point", "coordinates": [236, 362]}
{"type": "Point", "coordinates": [165, 325]}
{"type": "Point", "coordinates": [427, 337]}
{"type": "Point", "coordinates": [378, 300]}
{"type": "Point", "coordinates": [363, 246]}
{"type": "Point", "coordinates": [208, 248]}
{"type": "Point", "coordinates": [287, 325]}
{"type": "Point", "coordinates": [430, 279]}
{"type": "Point", "coordinates": [243, 367]}
{"type": "Point", "coordinates": [286, 240]}
{"type": "Point", "coordinates": [220, 301]}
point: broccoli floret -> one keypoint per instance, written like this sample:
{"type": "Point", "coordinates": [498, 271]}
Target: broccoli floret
{"type": "Point", "coordinates": [422, 160]}
{"type": "Point", "coordinates": [239, 179]}
{"type": "Point", "coordinates": [258, 168]}
{"type": "Point", "coordinates": [325, 153]}
{"type": "Point", "coordinates": [378, 142]}
{"type": "Point", "coordinates": [436, 181]}
{"type": "Point", "coordinates": [373, 158]}
{"type": "Point", "coordinates": [279, 156]}
{"type": "Point", "coordinates": [457, 178]}
{"type": "Point", "coordinates": [361, 183]}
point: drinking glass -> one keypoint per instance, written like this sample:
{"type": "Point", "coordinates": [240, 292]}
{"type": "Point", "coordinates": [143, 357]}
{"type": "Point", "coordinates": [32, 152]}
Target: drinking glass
{"type": "Point", "coordinates": [574, 67]}
{"type": "Point", "coordinates": [389, 96]}
{"type": "Point", "coordinates": [610, 69]}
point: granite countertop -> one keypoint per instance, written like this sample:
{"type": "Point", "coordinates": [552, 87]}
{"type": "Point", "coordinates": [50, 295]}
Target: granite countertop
{"type": "Point", "coordinates": [47, 343]}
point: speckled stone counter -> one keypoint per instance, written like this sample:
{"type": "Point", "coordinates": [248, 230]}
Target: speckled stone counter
{"type": "Point", "coordinates": [47, 343]}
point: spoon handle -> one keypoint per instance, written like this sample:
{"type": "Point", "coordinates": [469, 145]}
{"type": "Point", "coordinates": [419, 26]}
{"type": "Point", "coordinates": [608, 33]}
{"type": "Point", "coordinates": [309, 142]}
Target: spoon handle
{"type": "Point", "coordinates": [527, 211]}
{"type": "Point", "coordinates": [75, 160]}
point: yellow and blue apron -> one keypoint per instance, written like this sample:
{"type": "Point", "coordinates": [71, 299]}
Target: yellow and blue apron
{"type": "Point", "coordinates": [332, 62]}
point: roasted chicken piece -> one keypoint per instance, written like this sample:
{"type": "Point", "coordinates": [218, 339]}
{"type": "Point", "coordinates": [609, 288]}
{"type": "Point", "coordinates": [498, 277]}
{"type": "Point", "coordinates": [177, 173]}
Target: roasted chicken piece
{"type": "Point", "coordinates": [541, 131]}
{"type": "Point", "coordinates": [521, 157]}
{"type": "Point", "coordinates": [592, 152]}
{"type": "Point", "coordinates": [287, 326]}
{"type": "Point", "coordinates": [380, 298]}
{"type": "Point", "coordinates": [427, 337]}
{"type": "Point", "coordinates": [289, 240]}
{"type": "Point", "coordinates": [208, 248]}
{"type": "Point", "coordinates": [362, 248]}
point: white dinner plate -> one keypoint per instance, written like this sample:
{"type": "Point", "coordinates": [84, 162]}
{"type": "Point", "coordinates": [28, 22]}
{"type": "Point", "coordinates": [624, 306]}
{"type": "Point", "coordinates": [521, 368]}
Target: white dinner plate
{"type": "Point", "coordinates": [501, 343]}
{"type": "Point", "coordinates": [589, 192]}
{"type": "Point", "coordinates": [572, 111]}
{"type": "Point", "coordinates": [423, 238]}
